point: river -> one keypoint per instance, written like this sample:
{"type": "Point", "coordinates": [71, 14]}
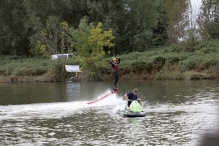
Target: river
{"type": "Point", "coordinates": [44, 114]}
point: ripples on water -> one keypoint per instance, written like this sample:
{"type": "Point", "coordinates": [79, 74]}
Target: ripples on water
{"type": "Point", "coordinates": [76, 123]}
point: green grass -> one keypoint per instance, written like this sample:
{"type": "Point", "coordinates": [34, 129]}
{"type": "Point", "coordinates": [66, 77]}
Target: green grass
{"type": "Point", "coordinates": [17, 66]}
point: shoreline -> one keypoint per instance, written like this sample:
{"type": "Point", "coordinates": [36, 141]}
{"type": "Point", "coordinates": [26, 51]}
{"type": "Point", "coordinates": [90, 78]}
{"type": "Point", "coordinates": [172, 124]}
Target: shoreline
{"type": "Point", "coordinates": [24, 79]}
{"type": "Point", "coordinates": [131, 77]}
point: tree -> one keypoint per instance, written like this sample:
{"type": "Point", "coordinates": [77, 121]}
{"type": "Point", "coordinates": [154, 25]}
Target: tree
{"type": "Point", "coordinates": [112, 14]}
{"type": "Point", "coordinates": [141, 17]}
{"type": "Point", "coordinates": [47, 22]}
{"type": "Point", "coordinates": [178, 19]}
{"type": "Point", "coordinates": [52, 39]}
{"type": "Point", "coordinates": [89, 40]}
{"type": "Point", "coordinates": [209, 19]}
{"type": "Point", "coordinates": [160, 36]}
{"type": "Point", "coordinates": [14, 36]}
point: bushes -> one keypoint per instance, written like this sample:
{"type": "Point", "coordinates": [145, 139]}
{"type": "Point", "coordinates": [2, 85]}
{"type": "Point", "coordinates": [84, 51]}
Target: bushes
{"type": "Point", "coordinates": [175, 58]}
{"type": "Point", "coordinates": [37, 66]}
{"type": "Point", "coordinates": [16, 66]}
{"type": "Point", "coordinates": [170, 62]}
{"type": "Point", "coordinates": [199, 63]}
{"type": "Point", "coordinates": [188, 64]}
{"type": "Point", "coordinates": [158, 62]}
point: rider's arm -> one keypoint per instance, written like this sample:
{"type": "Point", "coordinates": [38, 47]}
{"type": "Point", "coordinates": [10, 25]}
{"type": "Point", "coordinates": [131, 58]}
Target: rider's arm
{"type": "Point", "coordinates": [139, 100]}
{"type": "Point", "coordinates": [111, 62]}
{"type": "Point", "coordinates": [126, 97]}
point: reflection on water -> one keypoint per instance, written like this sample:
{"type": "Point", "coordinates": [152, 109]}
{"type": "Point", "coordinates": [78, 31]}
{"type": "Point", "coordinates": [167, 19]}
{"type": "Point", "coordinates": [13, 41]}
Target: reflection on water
{"type": "Point", "coordinates": [178, 117]}
{"type": "Point", "coordinates": [73, 91]}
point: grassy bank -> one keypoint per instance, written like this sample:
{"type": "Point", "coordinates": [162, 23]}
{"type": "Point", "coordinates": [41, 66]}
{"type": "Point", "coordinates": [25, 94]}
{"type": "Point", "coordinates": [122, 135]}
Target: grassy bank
{"type": "Point", "coordinates": [32, 69]}
{"type": "Point", "coordinates": [175, 62]}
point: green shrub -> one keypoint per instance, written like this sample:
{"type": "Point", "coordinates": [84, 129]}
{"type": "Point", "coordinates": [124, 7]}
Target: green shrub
{"type": "Point", "coordinates": [17, 66]}
{"type": "Point", "coordinates": [211, 62]}
{"type": "Point", "coordinates": [188, 64]}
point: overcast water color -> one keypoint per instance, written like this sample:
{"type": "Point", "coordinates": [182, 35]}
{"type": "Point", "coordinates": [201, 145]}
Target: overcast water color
{"type": "Point", "coordinates": [178, 113]}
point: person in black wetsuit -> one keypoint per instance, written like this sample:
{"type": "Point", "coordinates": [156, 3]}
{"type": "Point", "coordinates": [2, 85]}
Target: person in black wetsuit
{"type": "Point", "coordinates": [132, 96]}
{"type": "Point", "coordinates": [115, 69]}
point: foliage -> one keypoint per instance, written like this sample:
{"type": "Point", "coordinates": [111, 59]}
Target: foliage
{"type": "Point", "coordinates": [14, 35]}
{"type": "Point", "coordinates": [52, 39]}
{"type": "Point", "coordinates": [17, 66]}
{"type": "Point", "coordinates": [158, 63]}
{"type": "Point", "coordinates": [48, 22]}
{"type": "Point", "coordinates": [113, 16]}
{"type": "Point", "coordinates": [30, 27]}
{"type": "Point", "coordinates": [89, 40]}
{"type": "Point", "coordinates": [177, 14]}
{"type": "Point", "coordinates": [172, 62]}
{"type": "Point", "coordinates": [160, 36]}
{"type": "Point", "coordinates": [37, 29]}
{"type": "Point", "coordinates": [141, 18]}
{"type": "Point", "coordinates": [209, 19]}
{"type": "Point", "coordinates": [41, 27]}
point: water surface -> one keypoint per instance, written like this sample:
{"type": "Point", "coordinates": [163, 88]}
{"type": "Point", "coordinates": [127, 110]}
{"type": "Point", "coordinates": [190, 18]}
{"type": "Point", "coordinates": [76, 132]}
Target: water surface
{"type": "Point", "coordinates": [178, 113]}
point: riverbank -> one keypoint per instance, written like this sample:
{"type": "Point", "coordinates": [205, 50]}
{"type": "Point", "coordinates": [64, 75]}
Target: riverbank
{"type": "Point", "coordinates": [128, 77]}
{"type": "Point", "coordinates": [166, 63]}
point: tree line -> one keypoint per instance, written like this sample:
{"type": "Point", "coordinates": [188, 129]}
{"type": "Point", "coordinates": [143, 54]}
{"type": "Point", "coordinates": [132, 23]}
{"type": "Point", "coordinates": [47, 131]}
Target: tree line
{"type": "Point", "coordinates": [91, 28]}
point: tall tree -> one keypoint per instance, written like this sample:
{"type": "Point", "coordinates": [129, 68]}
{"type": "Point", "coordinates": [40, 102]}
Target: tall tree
{"type": "Point", "coordinates": [178, 19]}
{"type": "Point", "coordinates": [209, 19]}
{"type": "Point", "coordinates": [14, 36]}
{"type": "Point", "coordinates": [89, 40]}
{"type": "Point", "coordinates": [112, 15]}
{"type": "Point", "coordinates": [160, 36]}
{"type": "Point", "coordinates": [136, 25]}
{"type": "Point", "coordinates": [70, 11]}
{"type": "Point", "coordinates": [46, 16]}
{"type": "Point", "coordinates": [52, 39]}
{"type": "Point", "coordinates": [141, 17]}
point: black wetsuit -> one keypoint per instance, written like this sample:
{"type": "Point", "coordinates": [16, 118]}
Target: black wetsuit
{"type": "Point", "coordinates": [115, 71]}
